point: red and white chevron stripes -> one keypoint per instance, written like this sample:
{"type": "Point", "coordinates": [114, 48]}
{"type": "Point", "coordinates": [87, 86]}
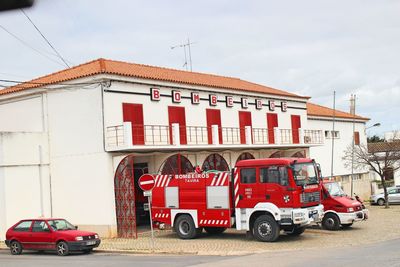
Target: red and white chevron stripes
{"type": "Point", "coordinates": [219, 179]}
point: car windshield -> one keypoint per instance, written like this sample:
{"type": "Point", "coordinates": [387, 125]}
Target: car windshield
{"type": "Point", "coordinates": [305, 174]}
{"type": "Point", "coordinates": [334, 189]}
{"type": "Point", "coordinates": [60, 225]}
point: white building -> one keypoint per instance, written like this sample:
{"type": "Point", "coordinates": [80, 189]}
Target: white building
{"type": "Point", "coordinates": [74, 143]}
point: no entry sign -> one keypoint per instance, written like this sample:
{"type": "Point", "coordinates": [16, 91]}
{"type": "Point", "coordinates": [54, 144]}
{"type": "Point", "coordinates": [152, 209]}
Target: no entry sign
{"type": "Point", "coordinates": [146, 182]}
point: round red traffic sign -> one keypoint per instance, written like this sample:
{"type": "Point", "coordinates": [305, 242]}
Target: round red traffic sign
{"type": "Point", "coordinates": [146, 182]}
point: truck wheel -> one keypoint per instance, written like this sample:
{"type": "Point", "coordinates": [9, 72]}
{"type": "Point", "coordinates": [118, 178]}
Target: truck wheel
{"type": "Point", "coordinates": [381, 202]}
{"type": "Point", "coordinates": [184, 227]}
{"type": "Point", "coordinates": [62, 248]}
{"type": "Point", "coordinates": [214, 230]}
{"type": "Point", "coordinates": [297, 231]}
{"type": "Point", "coordinates": [266, 229]}
{"type": "Point", "coordinates": [15, 248]}
{"type": "Point", "coordinates": [331, 222]}
{"type": "Point", "coordinates": [347, 225]}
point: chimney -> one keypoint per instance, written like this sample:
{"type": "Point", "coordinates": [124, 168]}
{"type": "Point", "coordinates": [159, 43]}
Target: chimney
{"type": "Point", "coordinates": [353, 104]}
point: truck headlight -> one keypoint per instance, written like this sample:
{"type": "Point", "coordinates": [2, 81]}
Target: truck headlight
{"type": "Point", "coordinates": [79, 238]}
{"type": "Point", "coordinates": [298, 214]}
{"type": "Point", "coordinates": [350, 210]}
{"type": "Point", "coordinates": [96, 236]}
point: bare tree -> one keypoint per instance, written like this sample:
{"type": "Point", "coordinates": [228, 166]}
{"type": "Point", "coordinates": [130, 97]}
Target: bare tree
{"type": "Point", "coordinates": [379, 157]}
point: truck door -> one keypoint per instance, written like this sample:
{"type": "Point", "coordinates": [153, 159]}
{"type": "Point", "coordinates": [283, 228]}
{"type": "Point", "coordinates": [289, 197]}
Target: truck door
{"type": "Point", "coordinates": [248, 188]}
{"type": "Point", "coordinates": [274, 182]}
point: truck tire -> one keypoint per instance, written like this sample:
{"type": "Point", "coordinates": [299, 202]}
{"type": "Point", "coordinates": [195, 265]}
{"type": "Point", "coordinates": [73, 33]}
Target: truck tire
{"type": "Point", "coordinates": [331, 222]}
{"type": "Point", "coordinates": [214, 230]}
{"type": "Point", "coordinates": [297, 231]}
{"type": "Point", "coordinates": [266, 229]}
{"type": "Point", "coordinates": [184, 227]}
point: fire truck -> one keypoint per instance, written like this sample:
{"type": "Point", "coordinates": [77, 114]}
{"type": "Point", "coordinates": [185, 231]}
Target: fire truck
{"type": "Point", "coordinates": [260, 196]}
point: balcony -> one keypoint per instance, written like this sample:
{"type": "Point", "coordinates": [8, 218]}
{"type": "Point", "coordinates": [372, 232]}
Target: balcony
{"type": "Point", "coordinates": [164, 137]}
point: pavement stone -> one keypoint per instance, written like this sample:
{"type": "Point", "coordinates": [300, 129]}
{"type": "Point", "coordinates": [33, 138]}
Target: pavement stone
{"type": "Point", "coordinates": [383, 224]}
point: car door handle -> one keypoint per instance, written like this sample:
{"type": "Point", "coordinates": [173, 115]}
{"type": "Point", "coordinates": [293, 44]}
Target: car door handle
{"type": "Point", "coordinates": [267, 196]}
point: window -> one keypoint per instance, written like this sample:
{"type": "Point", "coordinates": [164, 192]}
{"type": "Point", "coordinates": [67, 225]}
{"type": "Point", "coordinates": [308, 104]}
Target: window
{"type": "Point", "coordinates": [40, 226]}
{"type": "Point", "coordinates": [23, 226]}
{"type": "Point", "coordinates": [357, 138]}
{"type": "Point", "coordinates": [248, 176]}
{"type": "Point", "coordinates": [332, 134]}
{"type": "Point", "coordinates": [276, 175]}
{"type": "Point", "coordinates": [388, 173]}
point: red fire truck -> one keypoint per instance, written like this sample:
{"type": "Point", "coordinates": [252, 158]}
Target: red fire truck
{"type": "Point", "coordinates": [261, 196]}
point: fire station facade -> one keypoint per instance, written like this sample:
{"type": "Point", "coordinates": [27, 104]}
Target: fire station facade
{"type": "Point", "coordinates": [74, 143]}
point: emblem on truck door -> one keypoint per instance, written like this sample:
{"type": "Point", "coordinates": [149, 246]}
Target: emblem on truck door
{"type": "Point", "coordinates": [286, 198]}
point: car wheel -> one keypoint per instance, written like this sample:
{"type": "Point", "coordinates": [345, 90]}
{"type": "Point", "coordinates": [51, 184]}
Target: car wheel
{"type": "Point", "coordinates": [381, 202]}
{"type": "Point", "coordinates": [15, 248]}
{"type": "Point", "coordinates": [347, 225]}
{"type": "Point", "coordinates": [214, 230]}
{"type": "Point", "coordinates": [297, 231]}
{"type": "Point", "coordinates": [62, 248]}
{"type": "Point", "coordinates": [331, 222]}
{"type": "Point", "coordinates": [266, 229]}
{"type": "Point", "coordinates": [184, 227]}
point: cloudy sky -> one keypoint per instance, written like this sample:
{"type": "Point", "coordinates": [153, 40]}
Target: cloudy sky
{"type": "Point", "coordinates": [306, 47]}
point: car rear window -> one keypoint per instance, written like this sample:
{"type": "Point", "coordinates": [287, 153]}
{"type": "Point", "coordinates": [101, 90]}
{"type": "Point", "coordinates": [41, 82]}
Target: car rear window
{"type": "Point", "coordinates": [23, 226]}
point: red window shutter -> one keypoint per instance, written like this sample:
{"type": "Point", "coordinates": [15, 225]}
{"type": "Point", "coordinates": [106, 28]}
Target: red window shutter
{"type": "Point", "coordinates": [272, 122]}
{"type": "Point", "coordinates": [296, 125]}
{"type": "Point", "coordinates": [213, 118]}
{"type": "Point", "coordinates": [177, 115]}
{"type": "Point", "coordinates": [244, 120]}
{"type": "Point", "coordinates": [134, 114]}
{"type": "Point", "coordinates": [356, 138]}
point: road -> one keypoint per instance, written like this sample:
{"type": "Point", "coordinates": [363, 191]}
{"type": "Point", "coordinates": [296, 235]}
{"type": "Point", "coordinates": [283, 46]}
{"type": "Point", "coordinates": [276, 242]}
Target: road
{"type": "Point", "coordinates": [379, 254]}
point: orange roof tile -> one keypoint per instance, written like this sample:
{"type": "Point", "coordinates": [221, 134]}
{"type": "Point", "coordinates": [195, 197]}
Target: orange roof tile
{"type": "Point", "coordinates": [321, 111]}
{"type": "Point", "coordinates": [104, 66]}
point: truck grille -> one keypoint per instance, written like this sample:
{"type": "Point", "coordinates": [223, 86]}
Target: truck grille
{"type": "Point", "coordinates": [310, 197]}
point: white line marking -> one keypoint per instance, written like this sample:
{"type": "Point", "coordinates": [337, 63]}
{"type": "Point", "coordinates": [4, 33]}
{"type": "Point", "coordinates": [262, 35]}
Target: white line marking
{"type": "Point", "coordinates": [147, 182]}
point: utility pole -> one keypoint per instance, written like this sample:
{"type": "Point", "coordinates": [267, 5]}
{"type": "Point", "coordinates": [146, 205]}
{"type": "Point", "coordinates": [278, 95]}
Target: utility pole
{"type": "Point", "coordinates": [333, 132]}
{"type": "Point", "coordinates": [184, 46]}
{"type": "Point", "coordinates": [353, 112]}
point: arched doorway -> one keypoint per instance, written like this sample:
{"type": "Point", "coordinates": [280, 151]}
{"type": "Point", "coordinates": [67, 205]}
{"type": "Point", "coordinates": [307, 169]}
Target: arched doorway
{"type": "Point", "coordinates": [298, 154]}
{"type": "Point", "coordinates": [215, 162]}
{"type": "Point", "coordinates": [245, 155]}
{"type": "Point", "coordinates": [176, 164]}
{"type": "Point", "coordinates": [124, 186]}
{"type": "Point", "coordinates": [277, 154]}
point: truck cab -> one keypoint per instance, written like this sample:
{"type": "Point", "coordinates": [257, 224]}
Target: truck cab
{"type": "Point", "coordinates": [285, 189]}
{"type": "Point", "coordinates": [340, 209]}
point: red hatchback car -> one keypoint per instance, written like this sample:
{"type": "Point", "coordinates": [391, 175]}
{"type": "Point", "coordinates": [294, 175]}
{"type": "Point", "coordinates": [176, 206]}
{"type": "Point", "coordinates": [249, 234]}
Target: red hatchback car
{"type": "Point", "coordinates": [49, 234]}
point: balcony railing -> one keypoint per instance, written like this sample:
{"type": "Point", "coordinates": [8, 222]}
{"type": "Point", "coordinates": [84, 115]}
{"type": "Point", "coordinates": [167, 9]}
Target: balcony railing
{"type": "Point", "coordinates": [126, 135]}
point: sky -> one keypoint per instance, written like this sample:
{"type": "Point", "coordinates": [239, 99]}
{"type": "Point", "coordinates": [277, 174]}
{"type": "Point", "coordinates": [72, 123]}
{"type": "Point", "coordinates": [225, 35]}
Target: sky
{"type": "Point", "coordinates": [306, 47]}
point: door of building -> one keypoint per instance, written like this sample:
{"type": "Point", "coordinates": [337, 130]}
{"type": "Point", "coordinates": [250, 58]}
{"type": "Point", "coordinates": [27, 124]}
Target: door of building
{"type": "Point", "coordinates": [296, 125]}
{"type": "Point", "coordinates": [177, 115]}
{"type": "Point", "coordinates": [244, 120]}
{"type": "Point", "coordinates": [213, 118]}
{"type": "Point", "coordinates": [134, 114]}
{"type": "Point", "coordinates": [272, 122]}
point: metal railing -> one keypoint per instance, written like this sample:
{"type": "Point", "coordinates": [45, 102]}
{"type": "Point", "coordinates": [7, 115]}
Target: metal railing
{"type": "Point", "coordinates": [197, 135]}
{"type": "Point", "coordinates": [230, 136]}
{"type": "Point", "coordinates": [313, 137]}
{"type": "Point", "coordinates": [115, 136]}
{"type": "Point", "coordinates": [153, 135]}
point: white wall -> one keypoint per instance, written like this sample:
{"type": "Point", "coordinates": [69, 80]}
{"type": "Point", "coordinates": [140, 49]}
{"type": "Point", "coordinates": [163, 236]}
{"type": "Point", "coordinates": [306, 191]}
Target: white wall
{"type": "Point", "coordinates": [24, 179]}
{"type": "Point", "coordinates": [23, 115]}
{"type": "Point", "coordinates": [83, 189]}
{"type": "Point", "coordinates": [156, 112]}
{"type": "Point", "coordinates": [322, 154]}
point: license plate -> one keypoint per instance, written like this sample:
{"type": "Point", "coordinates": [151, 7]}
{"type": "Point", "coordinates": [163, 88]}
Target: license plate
{"type": "Point", "coordinates": [89, 243]}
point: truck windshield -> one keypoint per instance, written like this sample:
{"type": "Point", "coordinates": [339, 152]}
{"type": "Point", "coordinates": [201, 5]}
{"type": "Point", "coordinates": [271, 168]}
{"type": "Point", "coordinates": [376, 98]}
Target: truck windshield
{"type": "Point", "coordinates": [334, 189]}
{"type": "Point", "coordinates": [305, 174]}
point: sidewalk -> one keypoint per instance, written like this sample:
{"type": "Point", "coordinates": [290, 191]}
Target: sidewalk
{"type": "Point", "coordinates": [382, 225]}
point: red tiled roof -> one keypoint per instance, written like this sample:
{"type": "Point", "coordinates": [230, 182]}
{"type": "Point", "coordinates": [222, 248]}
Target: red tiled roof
{"type": "Point", "coordinates": [104, 66]}
{"type": "Point", "coordinates": [321, 111]}
{"type": "Point", "coordinates": [384, 146]}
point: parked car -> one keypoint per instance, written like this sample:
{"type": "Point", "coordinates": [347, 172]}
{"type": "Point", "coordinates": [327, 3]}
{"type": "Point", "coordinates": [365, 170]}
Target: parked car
{"type": "Point", "coordinates": [49, 234]}
{"type": "Point", "coordinates": [393, 196]}
{"type": "Point", "coordinates": [340, 209]}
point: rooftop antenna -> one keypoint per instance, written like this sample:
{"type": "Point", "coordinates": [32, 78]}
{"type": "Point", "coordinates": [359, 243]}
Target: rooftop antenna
{"type": "Point", "coordinates": [184, 46]}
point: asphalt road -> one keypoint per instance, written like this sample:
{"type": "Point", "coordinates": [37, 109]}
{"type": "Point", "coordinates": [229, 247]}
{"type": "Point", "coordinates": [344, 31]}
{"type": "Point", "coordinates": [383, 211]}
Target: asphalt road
{"type": "Point", "coordinates": [379, 254]}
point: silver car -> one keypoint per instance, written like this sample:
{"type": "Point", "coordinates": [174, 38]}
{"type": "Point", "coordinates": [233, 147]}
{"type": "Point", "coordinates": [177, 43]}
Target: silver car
{"type": "Point", "coordinates": [393, 196]}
